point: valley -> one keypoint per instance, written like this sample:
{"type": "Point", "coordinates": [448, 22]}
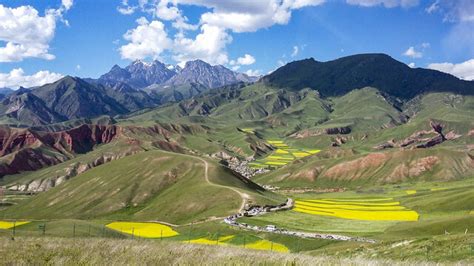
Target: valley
{"type": "Point", "coordinates": [358, 159]}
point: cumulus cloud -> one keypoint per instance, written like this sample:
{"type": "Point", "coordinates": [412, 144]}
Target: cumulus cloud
{"type": "Point", "coordinates": [246, 60]}
{"type": "Point", "coordinates": [26, 33]}
{"type": "Point", "coordinates": [216, 25]}
{"type": "Point", "coordinates": [412, 65]}
{"type": "Point", "coordinates": [253, 73]}
{"type": "Point", "coordinates": [249, 16]}
{"type": "Point", "coordinates": [148, 39]}
{"type": "Point", "coordinates": [464, 70]}
{"type": "Point", "coordinates": [385, 3]}
{"type": "Point", "coordinates": [209, 45]}
{"type": "Point", "coordinates": [16, 78]}
{"type": "Point", "coordinates": [411, 52]}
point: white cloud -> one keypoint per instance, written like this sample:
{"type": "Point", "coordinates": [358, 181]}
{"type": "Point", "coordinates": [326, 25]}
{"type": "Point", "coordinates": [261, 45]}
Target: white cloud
{"type": "Point", "coordinates": [215, 24]}
{"type": "Point", "coordinates": [464, 70]}
{"type": "Point", "coordinates": [67, 4]}
{"type": "Point", "coordinates": [78, 67]}
{"type": "Point", "coordinates": [411, 52]}
{"type": "Point", "coordinates": [148, 39]}
{"type": "Point", "coordinates": [249, 16]}
{"type": "Point", "coordinates": [209, 45]}
{"type": "Point", "coordinates": [412, 65]}
{"type": "Point", "coordinates": [295, 51]}
{"type": "Point", "coordinates": [253, 73]}
{"type": "Point", "coordinates": [385, 3]}
{"type": "Point", "coordinates": [246, 60]}
{"type": "Point", "coordinates": [166, 11]}
{"type": "Point", "coordinates": [26, 33]}
{"type": "Point", "coordinates": [454, 11]}
{"type": "Point", "coordinates": [17, 78]}
{"type": "Point", "coordinates": [433, 7]}
{"type": "Point", "coordinates": [125, 8]}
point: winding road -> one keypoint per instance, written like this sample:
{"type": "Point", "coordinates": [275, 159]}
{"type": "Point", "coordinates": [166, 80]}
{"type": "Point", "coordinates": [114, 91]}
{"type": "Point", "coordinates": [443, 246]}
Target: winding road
{"type": "Point", "coordinates": [244, 196]}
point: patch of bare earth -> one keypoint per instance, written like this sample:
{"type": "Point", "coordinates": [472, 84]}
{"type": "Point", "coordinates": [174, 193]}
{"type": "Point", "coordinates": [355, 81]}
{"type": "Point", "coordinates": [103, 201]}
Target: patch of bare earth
{"type": "Point", "coordinates": [355, 169]}
{"type": "Point", "coordinates": [412, 169]}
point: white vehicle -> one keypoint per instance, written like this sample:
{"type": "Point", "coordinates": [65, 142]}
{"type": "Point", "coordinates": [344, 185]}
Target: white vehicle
{"type": "Point", "coordinates": [270, 228]}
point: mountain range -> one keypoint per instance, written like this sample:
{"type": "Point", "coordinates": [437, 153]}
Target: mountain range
{"type": "Point", "coordinates": [140, 75]}
{"type": "Point", "coordinates": [144, 85]}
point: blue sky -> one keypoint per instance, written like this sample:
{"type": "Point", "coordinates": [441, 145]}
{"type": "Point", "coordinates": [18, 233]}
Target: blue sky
{"type": "Point", "coordinates": [89, 36]}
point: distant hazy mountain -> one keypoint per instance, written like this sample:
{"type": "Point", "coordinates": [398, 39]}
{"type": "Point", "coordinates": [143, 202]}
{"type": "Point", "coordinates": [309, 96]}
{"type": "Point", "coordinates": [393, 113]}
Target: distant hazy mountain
{"type": "Point", "coordinates": [138, 74]}
{"type": "Point", "coordinates": [5, 91]}
{"type": "Point", "coordinates": [340, 76]}
{"type": "Point", "coordinates": [71, 98]}
{"type": "Point", "coordinates": [200, 72]}
{"type": "Point", "coordinates": [155, 75]}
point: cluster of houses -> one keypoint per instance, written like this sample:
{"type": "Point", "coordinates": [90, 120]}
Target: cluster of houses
{"type": "Point", "coordinates": [288, 205]}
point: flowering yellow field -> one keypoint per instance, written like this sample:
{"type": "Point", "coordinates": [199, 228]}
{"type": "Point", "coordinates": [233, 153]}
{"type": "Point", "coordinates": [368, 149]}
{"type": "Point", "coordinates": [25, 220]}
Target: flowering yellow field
{"type": "Point", "coordinates": [145, 230]}
{"type": "Point", "coordinates": [268, 245]}
{"type": "Point", "coordinates": [283, 155]}
{"type": "Point", "coordinates": [372, 209]}
{"type": "Point", "coordinates": [260, 244]}
{"type": "Point", "coordinates": [411, 192]}
{"type": "Point", "coordinates": [207, 241]}
{"type": "Point", "coordinates": [8, 225]}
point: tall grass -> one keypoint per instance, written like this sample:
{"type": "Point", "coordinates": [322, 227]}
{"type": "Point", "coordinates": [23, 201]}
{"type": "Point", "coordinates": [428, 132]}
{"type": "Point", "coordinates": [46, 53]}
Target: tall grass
{"type": "Point", "coordinates": [98, 251]}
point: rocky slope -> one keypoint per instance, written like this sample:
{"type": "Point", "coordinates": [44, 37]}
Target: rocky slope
{"type": "Point", "coordinates": [138, 74]}
{"type": "Point", "coordinates": [27, 150]}
{"type": "Point", "coordinates": [200, 72]}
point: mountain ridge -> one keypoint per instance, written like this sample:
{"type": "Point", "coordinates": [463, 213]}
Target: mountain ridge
{"type": "Point", "coordinates": [339, 76]}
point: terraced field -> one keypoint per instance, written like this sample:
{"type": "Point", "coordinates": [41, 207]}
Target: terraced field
{"type": "Point", "coordinates": [381, 209]}
{"type": "Point", "coordinates": [283, 155]}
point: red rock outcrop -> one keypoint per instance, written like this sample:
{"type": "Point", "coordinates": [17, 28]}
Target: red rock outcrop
{"type": "Point", "coordinates": [24, 149]}
{"type": "Point", "coordinates": [421, 139]}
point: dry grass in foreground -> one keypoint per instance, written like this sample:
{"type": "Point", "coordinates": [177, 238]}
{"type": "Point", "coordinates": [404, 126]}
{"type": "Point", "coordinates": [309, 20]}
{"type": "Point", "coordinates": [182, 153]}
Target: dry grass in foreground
{"type": "Point", "coordinates": [102, 251]}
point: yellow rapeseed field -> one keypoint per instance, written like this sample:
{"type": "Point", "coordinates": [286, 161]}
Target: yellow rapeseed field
{"type": "Point", "coordinates": [359, 199]}
{"type": "Point", "coordinates": [391, 203]}
{"type": "Point", "coordinates": [276, 163]}
{"type": "Point", "coordinates": [280, 151]}
{"type": "Point", "coordinates": [145, 230]}
{"type": "Point", "coordinates": [248, 130]}
{"type": "Point", "coordinates": [373, 210]}
{"type": "Point", "coordinates": [411, 192]}
{"type": "Point", "coordinates": [207, 241]}
{"type": "Point", "coordinates": [300, 154]}
{"type": "Point", "coordinates": [268, 245]}
{"type": "Point", "coordinates": [8, 225]}
{"type": "Point", "coordinates": [283, 155]}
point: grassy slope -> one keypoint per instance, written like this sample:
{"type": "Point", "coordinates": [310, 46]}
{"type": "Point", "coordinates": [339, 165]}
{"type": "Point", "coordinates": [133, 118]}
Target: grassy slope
{"type": "Point", "coordinates": [126, 252]}
{"type": "Point", "coordinates": [150, 185]}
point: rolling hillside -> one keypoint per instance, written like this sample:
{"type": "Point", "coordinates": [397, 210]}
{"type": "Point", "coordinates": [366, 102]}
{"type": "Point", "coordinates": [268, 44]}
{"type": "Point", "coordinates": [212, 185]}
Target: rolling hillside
{"type": "Point", "coordinates": [150, 185]}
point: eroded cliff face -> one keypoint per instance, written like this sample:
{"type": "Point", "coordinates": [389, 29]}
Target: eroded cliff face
{"type": "Point", "coordinates": [72, 170]}
{"type": "Point", "coordinates": [29, 150]}
{"type": "Point", "coordinates": [421, 139]}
